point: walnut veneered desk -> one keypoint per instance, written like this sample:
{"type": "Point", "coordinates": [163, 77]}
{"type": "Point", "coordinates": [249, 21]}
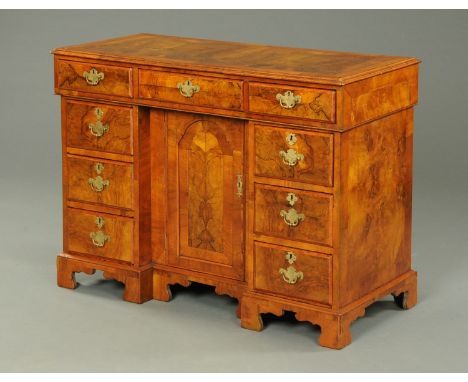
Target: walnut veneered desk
{"type": "Point", "coordinates": [280, 176]}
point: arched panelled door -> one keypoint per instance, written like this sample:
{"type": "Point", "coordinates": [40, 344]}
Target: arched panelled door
{"type": "Point", "coordinates": [205, 193]}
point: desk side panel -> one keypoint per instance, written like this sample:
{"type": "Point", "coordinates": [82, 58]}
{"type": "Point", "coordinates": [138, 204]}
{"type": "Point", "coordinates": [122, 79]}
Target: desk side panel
{"type": "Point", "coordinates": [376, 187]}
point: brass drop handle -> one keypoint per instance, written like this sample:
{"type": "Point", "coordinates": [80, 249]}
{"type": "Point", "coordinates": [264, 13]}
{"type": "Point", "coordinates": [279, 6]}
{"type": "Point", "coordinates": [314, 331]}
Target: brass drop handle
{"type": "Point", "coordinates": [98, 128]}
{"type": "Point", "coordinates": [288, 100]}
{"type": "Point", "coordinates": [291, 157]}
{"type": "Point", "coordinates": [187, 89]}
{"type": "Point", "coordinates": [93, 77]}
{"type": "Point", "coordinates": [291, 217]}
{"type": "Point", "coordinates": [290, 274]}
{"type": "Point", "coordinates": [98, 183]}
{"type": "Point", "coordinates": [99, 238]}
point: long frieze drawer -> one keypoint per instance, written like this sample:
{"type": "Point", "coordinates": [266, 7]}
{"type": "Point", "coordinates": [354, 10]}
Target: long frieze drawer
{"type": "Point", "coordinates": [190, 90]}
{"type": "Point", "coordinates": [294, 155]}
{"type": "Point", "coordinates": [288, 101]}
{"type": "Point", "coordinates": [293, 273]}
{"type": "Point", "coordinates": [293, 214]}
{"type": "Point", "coordinates": [94, 78]}
{"type": "Point", "coordinates": [98, 234]}
{"type": "Point", "coordinates": [102, 182]}
{"type": "Point", "coordinates": [99, 127]}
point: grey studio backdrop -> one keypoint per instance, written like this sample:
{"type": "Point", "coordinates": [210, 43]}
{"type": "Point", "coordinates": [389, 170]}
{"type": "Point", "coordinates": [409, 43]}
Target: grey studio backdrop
{"type": "Point", "coordinates": [45, 328]}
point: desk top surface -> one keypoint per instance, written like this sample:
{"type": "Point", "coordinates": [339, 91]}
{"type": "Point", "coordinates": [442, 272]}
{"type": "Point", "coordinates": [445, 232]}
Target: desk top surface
{"type": "Point", "coordinates": [310, 65]}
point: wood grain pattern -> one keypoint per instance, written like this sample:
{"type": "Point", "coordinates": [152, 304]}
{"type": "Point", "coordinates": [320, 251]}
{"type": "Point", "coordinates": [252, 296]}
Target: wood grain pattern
{"type": "Point", "coordinates": [118, 193]}
{"type": "Point", "coordinates": [317, 149]}
{"type": "Point", "coordinates": [117, 139]}
{"type": "Point", "coordinates": [319, 66]}
{"type": "Point", "coordinates": [316, 269]}
{"type": "Point", "coordinates": [214, 92]}
{"type": "Point", "coordinates": [380, 95]}
{"type": "Point", "coordinates": [117, 80]}
{"type": "Point", "coordinates": [142, 187]}
{"type": "Point", "coordinates": [316, 226]}
{"type": "Point", "coordinates": [204, 156]}
{"type": "Point", "coordinates": [119, 229]}
{"type": "Point", "coordinates": [316, 104]}
{"type": "Point", "coordinates": [158, 184]}
{"type": "Point", "coordinates": [376, 184]}
{"type": "Point", "coordinates": [205, 189]}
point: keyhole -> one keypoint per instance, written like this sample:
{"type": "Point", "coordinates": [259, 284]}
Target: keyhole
{"type": "Point", "coordinates": [100, 221]}
{"type": "Point", "coordinates": [291, 198]}
{"type": "Point", "coordinates": [99, 167]}
{"type": "Point", "coordinates": [291, 139]}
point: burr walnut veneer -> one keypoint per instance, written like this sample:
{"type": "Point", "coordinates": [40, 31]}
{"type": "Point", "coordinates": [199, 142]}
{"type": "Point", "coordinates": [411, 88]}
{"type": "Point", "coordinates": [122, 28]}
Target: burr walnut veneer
{"type": "Point", "coordinates": [280, 176]}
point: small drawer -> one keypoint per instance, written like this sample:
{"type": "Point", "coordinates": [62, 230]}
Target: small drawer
{"type": "Point", "coordinates": [100, 127]}
{"type": "Point", "coordinates": [98, 181]}
{"type": "Point", "coordinates": [293, 273]}
{"type": "Point", "coordinates": [99, 234]}
{"type": "Point", "coordinates": [305, 103]}
{"type": "Point", "coordinates": [191, 90]}
{"type": "Point", "coordinates": [294, 155]}
{"type": "Point", "coordinates": [94, 78]}
{"type": "Point", "coordinates": [293, 214]}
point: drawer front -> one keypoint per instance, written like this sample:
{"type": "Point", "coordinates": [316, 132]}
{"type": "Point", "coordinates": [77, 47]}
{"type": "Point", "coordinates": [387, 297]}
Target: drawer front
{"type": "Point", "coordinates": [293, 273]}
{"type": "Point", "coordinates": [98, 234]}
{"type": "Point", "coordinates": [102, 182]}
{"type": "Point", "coordinates": [292, 214]}
{"type": "Point", "coordinates": [305, 103]}
{"type": "Point", "coordinates": [99, 127]}
{"type": "Point", "coordinates": [190, 90]}
{"type": "Point", "coordinates": [294, 155]}
{"type": "Point", "coordinates": [94, 78]}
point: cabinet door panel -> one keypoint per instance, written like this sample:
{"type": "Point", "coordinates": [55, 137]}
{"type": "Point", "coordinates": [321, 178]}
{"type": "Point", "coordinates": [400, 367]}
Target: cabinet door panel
{"type": "Point", "coordinates": [205, 207]}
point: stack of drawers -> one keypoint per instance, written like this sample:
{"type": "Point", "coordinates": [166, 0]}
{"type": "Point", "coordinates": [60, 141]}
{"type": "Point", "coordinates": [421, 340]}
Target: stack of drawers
{"type": "Point", "coordinates": [99, 191]}
{"type": "Point", "coordinates": [100, 157]}
{"type": "Point", "coordinates": [293, 208]}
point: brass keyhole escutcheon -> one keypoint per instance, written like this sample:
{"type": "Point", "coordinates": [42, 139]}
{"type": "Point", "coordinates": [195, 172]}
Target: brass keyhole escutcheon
{"type": "Point", "coordinates": [93, 77]}
{"type": "Point", "coordinates": [291, 198]}
{"type": "Point", "coordinates": [290, 257]}
{"type": "Point", "coordinates": [98, 128]}
{"type": "Point", "coordinates": [240, 185]}
{"type": "Point", "coordinates": [99, 167]}
{"type": "Point", "coordinates": [187, 89]}
{"type": "Point", "coordinates": [291, 139]}
{"type": "Point", "coordinates": [100, 222]}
